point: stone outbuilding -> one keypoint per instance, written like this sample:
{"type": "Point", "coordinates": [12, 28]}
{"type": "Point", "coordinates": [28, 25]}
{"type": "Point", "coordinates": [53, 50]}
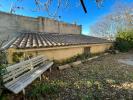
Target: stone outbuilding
{"type": "Point", "coordinates": [55, 46]}
{"type": "Point", "coordinates": [57, 40]}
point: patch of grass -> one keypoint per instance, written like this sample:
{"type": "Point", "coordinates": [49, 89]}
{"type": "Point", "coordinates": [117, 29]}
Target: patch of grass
{"type": "Point", "coordinates": [43, 89]}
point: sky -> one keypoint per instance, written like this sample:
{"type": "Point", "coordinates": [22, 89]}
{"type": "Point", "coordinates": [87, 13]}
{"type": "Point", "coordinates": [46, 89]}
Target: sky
{"type": "Point", "coordinates": [72, 13]}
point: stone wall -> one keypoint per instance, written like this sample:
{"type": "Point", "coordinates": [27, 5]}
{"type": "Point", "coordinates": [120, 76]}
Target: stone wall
{"type": "Point", "coordinates": [13, 24]}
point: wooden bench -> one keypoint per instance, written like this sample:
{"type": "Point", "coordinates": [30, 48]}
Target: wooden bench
{"type": "Point", "coordinates": [20, 75]}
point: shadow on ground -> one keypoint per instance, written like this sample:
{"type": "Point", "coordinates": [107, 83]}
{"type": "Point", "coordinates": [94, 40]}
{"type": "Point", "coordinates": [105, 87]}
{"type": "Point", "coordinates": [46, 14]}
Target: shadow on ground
{"type": "Point", "coordinates": [101, 79]}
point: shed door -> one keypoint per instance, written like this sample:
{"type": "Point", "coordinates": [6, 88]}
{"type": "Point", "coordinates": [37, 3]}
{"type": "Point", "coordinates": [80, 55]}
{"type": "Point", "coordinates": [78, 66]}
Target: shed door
{"type": "Point", "coordinates": [87, 50]}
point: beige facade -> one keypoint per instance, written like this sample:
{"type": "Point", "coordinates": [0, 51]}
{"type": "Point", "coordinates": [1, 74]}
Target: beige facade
{"type": "Point", "coordinates": [61, 53]}
{"type": "Point", "coordinates": [99, 48]}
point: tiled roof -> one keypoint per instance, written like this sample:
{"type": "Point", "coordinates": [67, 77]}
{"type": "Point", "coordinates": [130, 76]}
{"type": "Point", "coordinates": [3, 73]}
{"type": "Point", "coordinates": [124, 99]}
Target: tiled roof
{"type": "Point", "coordinates": [38, 40]}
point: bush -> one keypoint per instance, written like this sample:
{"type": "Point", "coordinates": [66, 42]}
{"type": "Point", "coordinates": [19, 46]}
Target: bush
{"type": "Point", "coordinates": [3, 64]}
{"type": "Point", "coordinates": [123, 45]}
{"type": "Point", "coordinates": [124, 41]}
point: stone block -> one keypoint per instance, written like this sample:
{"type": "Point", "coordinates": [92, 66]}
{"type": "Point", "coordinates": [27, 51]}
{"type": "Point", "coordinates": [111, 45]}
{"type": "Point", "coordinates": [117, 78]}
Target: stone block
{"type": "Point", "coordinates": [75, 63]}
{"type": "Point", "coordinates": [64, 67]}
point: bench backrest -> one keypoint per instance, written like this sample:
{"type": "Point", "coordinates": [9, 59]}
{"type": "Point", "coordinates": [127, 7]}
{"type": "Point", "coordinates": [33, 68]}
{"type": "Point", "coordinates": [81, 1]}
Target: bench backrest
{"type": "Point", "coordinates": [16, 70]}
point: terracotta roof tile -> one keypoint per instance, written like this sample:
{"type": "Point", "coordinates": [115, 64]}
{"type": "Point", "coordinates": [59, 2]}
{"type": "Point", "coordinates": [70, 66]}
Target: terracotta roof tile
{"type": "Point", "coordinates": [39, 40]}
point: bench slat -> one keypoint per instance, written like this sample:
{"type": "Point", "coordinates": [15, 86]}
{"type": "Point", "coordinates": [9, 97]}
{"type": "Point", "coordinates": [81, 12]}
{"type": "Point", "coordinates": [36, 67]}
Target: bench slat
{"type": "Point", "coordinates": [19, 69]}
{"type": "Point", "coordinates": [16, 74]}
{"type": "Point", "coordinates": [22, 76]}
{"type": "Point", "coordinates": [13, 67]}
{"type": "Point", "coordinates": [26, 79]}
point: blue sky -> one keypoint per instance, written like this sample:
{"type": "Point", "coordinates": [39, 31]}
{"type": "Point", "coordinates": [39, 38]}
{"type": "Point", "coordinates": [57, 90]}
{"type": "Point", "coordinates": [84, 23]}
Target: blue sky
{"type": "Point", "coordinates": [71, 14]}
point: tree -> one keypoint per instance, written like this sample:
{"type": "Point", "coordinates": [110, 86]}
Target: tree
{"type": "Point", "coordinates": [45, 5]}
{"type": "Point", "coordinates": [123, 15]}
{"type": "Point", "coordinates": [120, 19]}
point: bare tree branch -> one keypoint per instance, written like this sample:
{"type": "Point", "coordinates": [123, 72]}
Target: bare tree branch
{"type": "Point", "coordinates": [83, 5]}
{"type": "Point", "coordinates": [46, 6]}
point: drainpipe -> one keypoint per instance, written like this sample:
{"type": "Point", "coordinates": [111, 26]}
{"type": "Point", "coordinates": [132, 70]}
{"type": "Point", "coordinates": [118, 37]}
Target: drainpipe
{"type": "Point", "coordinates": [44, 24]}
{"type": "Point", "coordinates": [40, 24]}
{"type": "Point", "coordinates": [80, 29]}
{"type": "Point", "coordinates": [59, 24]}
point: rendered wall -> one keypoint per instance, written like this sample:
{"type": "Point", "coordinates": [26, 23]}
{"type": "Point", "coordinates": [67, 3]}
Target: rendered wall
{"type": "Point", "coordinates": [54, 26]}
{"type": "Point", "coordinates": [64, 53]}
{"type": "Point", "coordinates": [99, 48]}
{"type": "Point", "coordinates": [61, 54]}
{"type": "Point", "coordinates": [13, 24]}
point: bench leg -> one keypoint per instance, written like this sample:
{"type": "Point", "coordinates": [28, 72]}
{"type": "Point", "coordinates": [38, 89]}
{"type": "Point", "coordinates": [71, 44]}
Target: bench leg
{"type": "Point", "coordinates": [50, 70]}
{"type": "Point", "coordinates": [23, 91]}
{"type": "Point", "coordinates": [40, 77]}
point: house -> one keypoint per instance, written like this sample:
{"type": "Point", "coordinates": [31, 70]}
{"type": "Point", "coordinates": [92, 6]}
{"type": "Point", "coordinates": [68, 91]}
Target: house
{"type": "Point", "coordinates": [51, 38]}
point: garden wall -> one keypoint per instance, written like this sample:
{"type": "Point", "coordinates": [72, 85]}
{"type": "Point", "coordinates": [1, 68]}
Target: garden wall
{"type": "Point", "coordinates": [11, 25]}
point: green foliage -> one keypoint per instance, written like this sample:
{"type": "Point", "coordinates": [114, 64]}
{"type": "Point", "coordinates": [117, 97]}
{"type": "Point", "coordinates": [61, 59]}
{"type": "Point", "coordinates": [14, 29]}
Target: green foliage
{"type": "Point", "coordinates": [2, 58]}
{"type": "Point", "coordinates": [3, 64]}
{"type": "Point", "coordinates": [17, 56]}
{"type": "Point", "coordinates": [124, 41]}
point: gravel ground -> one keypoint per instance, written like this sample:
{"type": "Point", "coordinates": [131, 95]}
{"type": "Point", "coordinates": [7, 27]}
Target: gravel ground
{"type": "Point", "coordinates": [100, 79]}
